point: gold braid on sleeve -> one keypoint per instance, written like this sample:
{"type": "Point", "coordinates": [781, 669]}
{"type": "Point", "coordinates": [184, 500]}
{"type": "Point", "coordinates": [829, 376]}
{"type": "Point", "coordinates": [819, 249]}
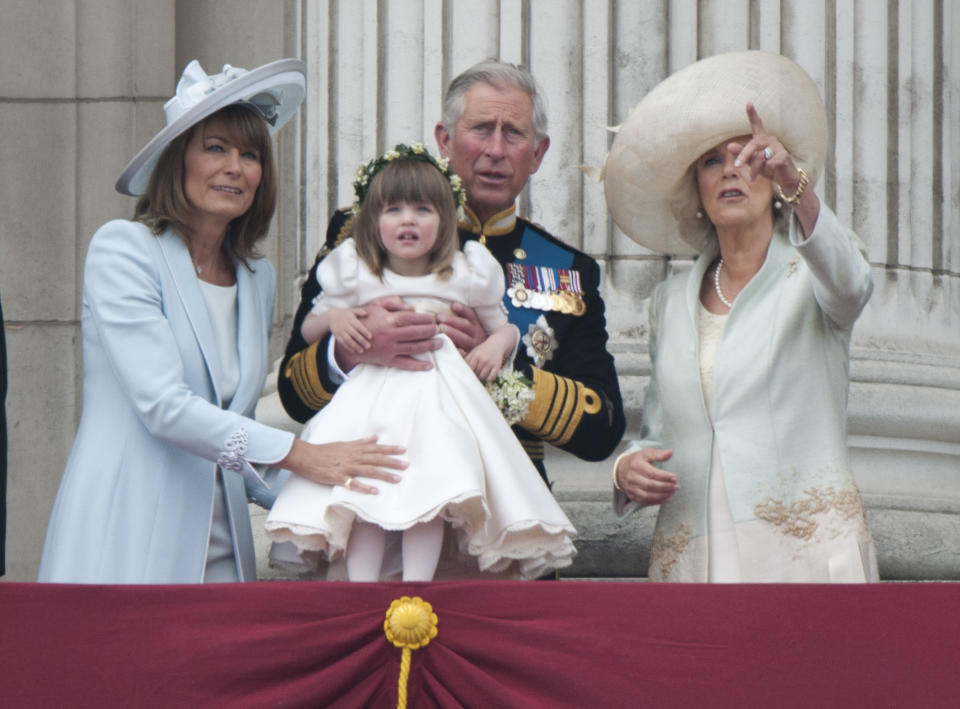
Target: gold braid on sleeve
{"type": "Point", "coordinates": [558, 406]}
{"type": "Point", "coordinates": [304, 376]}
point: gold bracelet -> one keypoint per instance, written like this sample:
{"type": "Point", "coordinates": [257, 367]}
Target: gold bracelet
{"type": "Point", "coordinates": [616, 483]}
{"type": "Point", "coordinates": [801, 186]}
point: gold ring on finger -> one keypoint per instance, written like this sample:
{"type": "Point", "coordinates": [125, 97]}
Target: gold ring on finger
{"type": "Point", "coordinates": [348, 483]}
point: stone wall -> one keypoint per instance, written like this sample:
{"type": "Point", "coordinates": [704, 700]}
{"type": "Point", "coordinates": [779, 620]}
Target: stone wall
{"type": "Point", "coordinates": [82, 83]}
{"type": "Point", "coordinates": [82, 88]}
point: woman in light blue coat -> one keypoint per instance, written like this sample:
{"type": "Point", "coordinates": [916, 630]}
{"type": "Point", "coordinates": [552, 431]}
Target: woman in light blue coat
{"type": "Point", "coordinates": [177, 309]}
{"type": "Point", "coordinates": [744, 422]}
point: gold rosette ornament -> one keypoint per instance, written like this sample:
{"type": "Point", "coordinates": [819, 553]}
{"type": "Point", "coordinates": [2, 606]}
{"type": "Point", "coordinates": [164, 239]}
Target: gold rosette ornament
{"type": "Point", "coordinates": [410, 625]}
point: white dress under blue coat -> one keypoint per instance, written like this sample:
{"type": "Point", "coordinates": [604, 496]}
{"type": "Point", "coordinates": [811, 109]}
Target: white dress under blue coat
{"type": "Point", "coordinates": [136, 499]}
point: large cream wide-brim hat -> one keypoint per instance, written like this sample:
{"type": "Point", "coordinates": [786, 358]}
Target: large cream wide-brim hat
{"type": "Point", "coordinates": [275, 90]}
{"type": "Point", "coordinates": [648, 181]}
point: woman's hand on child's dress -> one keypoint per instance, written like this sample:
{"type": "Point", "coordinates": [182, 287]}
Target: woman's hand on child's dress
{"type": "Point", "coordinates": [642, 481]}
{"type": "Point", "coordinates": [343, 463]}
{"type": "Point", "coordinates": [346, 327]}
{"type": "Point", "coordinates": [463, 327]}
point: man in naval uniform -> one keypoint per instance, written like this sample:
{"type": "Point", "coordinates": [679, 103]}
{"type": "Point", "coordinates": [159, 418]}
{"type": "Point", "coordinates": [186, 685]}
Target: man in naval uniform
{"type": "Point", "coordinates": [493, 131]}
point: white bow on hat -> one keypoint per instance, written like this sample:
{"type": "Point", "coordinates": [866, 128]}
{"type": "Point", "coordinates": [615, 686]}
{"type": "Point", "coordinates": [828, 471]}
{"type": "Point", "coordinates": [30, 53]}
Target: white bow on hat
{"type": "Point", "coordinates": [195, 84]}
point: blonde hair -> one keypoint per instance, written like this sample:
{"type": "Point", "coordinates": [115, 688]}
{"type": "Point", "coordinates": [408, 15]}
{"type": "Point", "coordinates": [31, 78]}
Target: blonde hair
{"type": "Point", "coordinates": [415, 181]}
{"type": "Point", "coordinates": [165, 202]}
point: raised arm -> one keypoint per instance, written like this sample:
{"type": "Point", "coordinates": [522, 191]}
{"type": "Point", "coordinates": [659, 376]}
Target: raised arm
{"type": "Point", "coordinates": [842, 280]}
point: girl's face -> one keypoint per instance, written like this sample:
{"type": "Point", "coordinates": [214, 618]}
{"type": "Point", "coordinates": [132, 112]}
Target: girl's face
{"type": "Point", "coordinates": [728, 196]}
{"type": "Point", "coordinates": [408, 231]}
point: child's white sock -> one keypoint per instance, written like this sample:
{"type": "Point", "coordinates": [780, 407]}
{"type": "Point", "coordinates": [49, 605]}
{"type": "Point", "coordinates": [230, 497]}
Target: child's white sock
{"type": "Point", "coordinates": [365, 551]}
{"type": "Point", "coordinates": [421, 550]}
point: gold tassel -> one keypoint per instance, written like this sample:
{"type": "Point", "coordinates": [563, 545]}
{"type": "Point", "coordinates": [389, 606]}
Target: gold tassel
{"type": "Point", "coordinates": [410, 624]}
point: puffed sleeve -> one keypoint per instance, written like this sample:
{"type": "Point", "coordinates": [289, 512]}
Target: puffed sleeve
{"type": "Point", "coordinates": [123, 293]}
{"type": "Point", "coordinates": [337, 276]}
{"type": "Point", "coordinates": [486, 287]}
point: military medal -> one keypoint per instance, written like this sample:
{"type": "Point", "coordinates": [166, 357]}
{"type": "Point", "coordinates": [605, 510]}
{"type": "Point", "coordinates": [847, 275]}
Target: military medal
{"type": "Point", "coordinates": [545, 288]}
{"type": "Point", "coordinates": [519, 296]}
{"type": "Point", "coordinates": [572, 291]}
{"type": "Point", "coordinates": [540, 341]}
{"type": "Point", "coordinates": [532, 274]}
{"type": "Point", "coordinates": [517, 290]}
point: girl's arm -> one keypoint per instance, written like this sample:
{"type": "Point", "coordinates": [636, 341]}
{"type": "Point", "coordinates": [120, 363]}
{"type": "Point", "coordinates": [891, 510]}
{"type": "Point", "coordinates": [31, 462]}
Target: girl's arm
{"type": "Point", "coordinates": [488, 357]}
{"type": "Point", "coordinates": [344, 323]}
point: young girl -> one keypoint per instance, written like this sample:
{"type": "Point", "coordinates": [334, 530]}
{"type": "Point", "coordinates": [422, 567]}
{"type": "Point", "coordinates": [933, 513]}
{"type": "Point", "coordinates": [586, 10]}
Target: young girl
{"type": "Point", "coordinates": [466, 466]}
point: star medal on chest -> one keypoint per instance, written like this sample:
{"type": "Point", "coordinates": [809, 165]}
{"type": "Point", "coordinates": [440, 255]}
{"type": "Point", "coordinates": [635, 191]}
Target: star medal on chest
{"type": "Point", "coordinates": [545, 288]}
{"type": "Point", "coordinates": [541, 342]}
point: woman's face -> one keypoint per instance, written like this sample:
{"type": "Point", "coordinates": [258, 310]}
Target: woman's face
{"type": "Point", "coordinates": [220, 177]}
{"type": "Point", "coordinates": [727, 195]}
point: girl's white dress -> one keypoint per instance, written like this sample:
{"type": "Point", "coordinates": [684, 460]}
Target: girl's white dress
{"type": "Point", "coordinates": [466, 465]}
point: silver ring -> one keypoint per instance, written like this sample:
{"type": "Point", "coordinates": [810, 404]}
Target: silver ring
{"type": "Point", "coordinates": [767, 153]}
{"type": "Point", "coordinates": [348, 483]}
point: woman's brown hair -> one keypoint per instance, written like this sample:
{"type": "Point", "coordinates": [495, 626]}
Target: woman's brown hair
{"type": "Point", "coordinates": [418, 182]}
{"type": "Point", "coordinates": [165, 202]}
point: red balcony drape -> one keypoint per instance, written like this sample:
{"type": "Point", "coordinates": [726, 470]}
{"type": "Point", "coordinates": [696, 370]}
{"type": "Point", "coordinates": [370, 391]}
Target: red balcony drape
{"type": "Point", "coordinates": [500, 644]}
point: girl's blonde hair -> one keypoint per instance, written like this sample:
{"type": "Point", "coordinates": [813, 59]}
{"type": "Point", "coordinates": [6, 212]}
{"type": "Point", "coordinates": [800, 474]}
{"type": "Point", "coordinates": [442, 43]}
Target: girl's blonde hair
{"type": "Point", "coordinates": [418, 182]}
{"type": "Point", "coordinates": [165, 202]}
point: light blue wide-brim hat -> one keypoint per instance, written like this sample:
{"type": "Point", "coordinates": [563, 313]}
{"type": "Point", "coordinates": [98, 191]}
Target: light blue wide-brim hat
{"type": "Point", "coordinates": [649, 186]}
{"type": "Point", "coordinates": [275, 90]}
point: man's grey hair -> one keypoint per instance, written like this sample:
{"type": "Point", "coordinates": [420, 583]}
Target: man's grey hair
{"type": "Point", "coordinates": [500, 75]}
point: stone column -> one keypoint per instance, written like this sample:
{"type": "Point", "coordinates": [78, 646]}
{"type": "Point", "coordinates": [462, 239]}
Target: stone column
{"type": "Point", "coordinates": [890, 77]}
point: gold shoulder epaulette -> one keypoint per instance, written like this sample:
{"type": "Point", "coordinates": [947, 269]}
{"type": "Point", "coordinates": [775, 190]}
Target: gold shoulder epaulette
{"type": "Point", "coordinates": [346, 229]}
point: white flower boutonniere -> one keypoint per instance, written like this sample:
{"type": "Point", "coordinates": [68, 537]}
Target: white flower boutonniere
{"type": "Point", "coordinates": [512, 393]}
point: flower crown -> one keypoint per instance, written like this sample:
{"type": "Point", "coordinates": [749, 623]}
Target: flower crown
{"type": "Point", "coordinates": [415, 151]}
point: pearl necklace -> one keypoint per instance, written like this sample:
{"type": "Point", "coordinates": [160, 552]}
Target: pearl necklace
{"type": "Point", "coordinates": [716, 284]}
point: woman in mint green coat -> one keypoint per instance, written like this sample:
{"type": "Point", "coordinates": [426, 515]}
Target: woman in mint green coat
{"type": "Point", "coordinates": [177, 310]}
{"type": "Point", "coordinates": [744, 421]}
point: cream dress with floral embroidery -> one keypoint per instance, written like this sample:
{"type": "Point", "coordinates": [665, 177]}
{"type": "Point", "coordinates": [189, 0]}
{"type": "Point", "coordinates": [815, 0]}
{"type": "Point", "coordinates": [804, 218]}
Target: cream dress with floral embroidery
{"type": "Point", "coordinates": [466, 464]}
{"type": "Point", "coordinates": [755, 551]}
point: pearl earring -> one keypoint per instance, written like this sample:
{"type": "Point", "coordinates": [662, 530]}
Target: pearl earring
{"type": "Point", "coordinates": [699, 214]}
{"type": "Point", "coordinates": [777, 204]}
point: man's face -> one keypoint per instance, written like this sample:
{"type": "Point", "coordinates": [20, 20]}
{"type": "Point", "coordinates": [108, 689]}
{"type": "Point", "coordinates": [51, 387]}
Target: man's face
{"type": "Point", "coordinates": [493, 147]}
